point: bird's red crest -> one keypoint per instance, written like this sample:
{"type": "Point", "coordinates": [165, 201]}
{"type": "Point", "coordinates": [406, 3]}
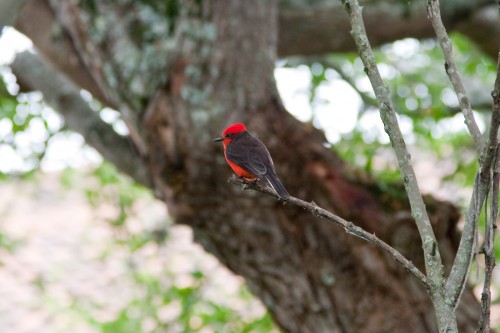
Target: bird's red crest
{"type": "Point", "coordinates": [234, 128]}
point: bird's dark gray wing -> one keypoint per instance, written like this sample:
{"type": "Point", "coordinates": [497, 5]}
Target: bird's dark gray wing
{"type": "Point", "coordinates": [250, 154]}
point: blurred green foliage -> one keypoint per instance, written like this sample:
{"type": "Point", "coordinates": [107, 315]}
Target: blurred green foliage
{"type": "Point", "coordinates": [188, 310]}
{"type": "Point", "coordinates": [423, 97]}
{"type": "Point", "coordinates": [26, 128]}
{"type": "Point", "coordinates": [195, 313]}
{"type": "Point", "coordinates": [8, 243]}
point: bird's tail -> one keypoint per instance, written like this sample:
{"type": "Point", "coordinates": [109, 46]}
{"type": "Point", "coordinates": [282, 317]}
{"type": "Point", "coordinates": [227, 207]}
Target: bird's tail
{"type": "Point", "coordinates": [275, 183]}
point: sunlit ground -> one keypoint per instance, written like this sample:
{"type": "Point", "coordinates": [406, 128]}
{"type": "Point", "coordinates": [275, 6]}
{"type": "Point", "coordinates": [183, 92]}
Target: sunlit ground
{"type": "Point", "coordinates": [66, 264]}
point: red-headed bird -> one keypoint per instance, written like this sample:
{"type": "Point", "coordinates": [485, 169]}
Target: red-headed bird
{"type": "Point", "coordinates": [249, 158]}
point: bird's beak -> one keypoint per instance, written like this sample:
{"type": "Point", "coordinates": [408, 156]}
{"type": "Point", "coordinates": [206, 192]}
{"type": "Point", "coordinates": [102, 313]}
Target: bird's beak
{"type": "Point", "coordinates": [218, 139]}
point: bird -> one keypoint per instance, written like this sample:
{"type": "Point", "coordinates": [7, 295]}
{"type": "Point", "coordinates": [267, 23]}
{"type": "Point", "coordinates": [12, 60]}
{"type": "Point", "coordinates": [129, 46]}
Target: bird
{"type": "Point", "coordinates": [249, 157]}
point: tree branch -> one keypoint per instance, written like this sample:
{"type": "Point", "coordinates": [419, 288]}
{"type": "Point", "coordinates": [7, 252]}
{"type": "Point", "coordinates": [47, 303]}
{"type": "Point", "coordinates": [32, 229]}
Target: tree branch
{"type": "Point", "coordinates": [321, 27]}
{"type": "Point", "coordinates": [461, 266]}
{"type": "Point", "coordinates": [489, 250]}
{"type": "Point", "coordinates": [349, 227]}
{"type": "Point", "coordinates": [327, 62]}
{"type": "Point", "coordinates": [434, 14]}
{"type": "Point", "coordinates": [60, 93]}
{"type": "Point", "coordinates": [491, 149]}
{"type": "Point", "coordinates": [37, 21]}
{"type": "Point", "coordinates": [433, 263]}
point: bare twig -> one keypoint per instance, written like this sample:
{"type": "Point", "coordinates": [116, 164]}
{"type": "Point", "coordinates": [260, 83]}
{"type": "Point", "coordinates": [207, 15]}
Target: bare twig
{"type": "Point", "coordinates": [433, 263]}
{"type": "Point", "coordinates": [489, 254]}
{"type": "Point", "coordinates": [495, 120]}
{"type": "Point", "coordinates": [461, 266]}
{"type": "Point", "coordinates": [349, 227]}
{"type": "Point", "coordinates": [489, 251]}
{"type": "Point", "coordinates": [434, 13]}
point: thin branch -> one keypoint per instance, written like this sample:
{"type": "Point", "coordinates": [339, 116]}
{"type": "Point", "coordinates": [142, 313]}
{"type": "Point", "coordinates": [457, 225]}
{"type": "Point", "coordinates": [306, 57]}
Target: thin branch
{"type": "Point", "coordinates": [349, 227]}
{"type": "Point", "coordinates": [495, 120]}
{"type": "Point", "coordinates": [433, 263]}
{"type": "Point", "coordinates": [64, 97]}
{"type": "Point", "coordinates": [434, 13]}
{"type": "Point", "coordinates": [489, 250]}
{"type": "Point", "coordinates": [461, 266]}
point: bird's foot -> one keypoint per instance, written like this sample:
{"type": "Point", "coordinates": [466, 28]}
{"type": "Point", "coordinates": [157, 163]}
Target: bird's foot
{"type": "Point", "coordinates": [247, 183]}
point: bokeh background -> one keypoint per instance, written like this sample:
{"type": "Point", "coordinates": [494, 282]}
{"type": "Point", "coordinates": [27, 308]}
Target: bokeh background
{"type": "Point", "coordinates": [84, 249]}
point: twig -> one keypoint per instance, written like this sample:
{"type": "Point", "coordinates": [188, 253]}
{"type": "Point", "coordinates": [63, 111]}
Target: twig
{"type": "Point", "coordinates": [489, 250]}
{"type": "Point", "coordinates": [349, 227]}
{"type": "Point", "coordinates": [461, 266]}
{"type": "Point", "coordinates": [495, 121]}
{"type": "Point", "coordinates": [457, 279]}
{"type": "Point", "coordinates": [489, 254]}
{"type": "Point", "coordinates": [434, 14]}
{"type": "Point", "coordinates": [432, 257]}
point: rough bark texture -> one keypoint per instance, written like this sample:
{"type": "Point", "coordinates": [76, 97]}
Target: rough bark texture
{"type": "Point", "coordinates": [310, 275]}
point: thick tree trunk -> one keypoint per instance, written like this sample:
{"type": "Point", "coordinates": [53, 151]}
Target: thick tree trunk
{"type": "Point", "coordinates": [310, 274]}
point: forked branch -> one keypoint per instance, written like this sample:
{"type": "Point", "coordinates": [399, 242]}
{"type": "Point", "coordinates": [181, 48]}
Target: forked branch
{"type": "Point", "coordinates": [433, 263]}
{"type": "Point", "coordinates": [486, 153]}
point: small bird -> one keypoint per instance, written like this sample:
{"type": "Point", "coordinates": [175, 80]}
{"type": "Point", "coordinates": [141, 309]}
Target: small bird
{"type": "Point", "coordinates": [249, 157]}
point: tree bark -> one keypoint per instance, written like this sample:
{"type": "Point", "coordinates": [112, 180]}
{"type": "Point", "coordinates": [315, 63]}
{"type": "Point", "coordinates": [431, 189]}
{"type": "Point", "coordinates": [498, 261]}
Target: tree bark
{"type": "Point", "coordinates": [309, 274]}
